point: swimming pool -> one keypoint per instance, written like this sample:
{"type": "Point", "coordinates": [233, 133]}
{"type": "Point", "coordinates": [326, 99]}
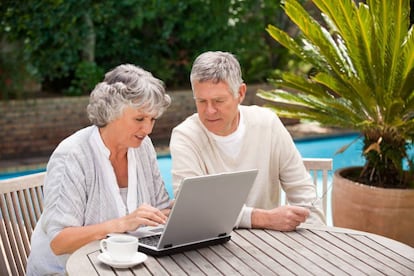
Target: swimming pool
{"type": "Point", "coordinates": [325, 147]}
{"type": "Point", "coordinates": [328, 146]}
{"type": "Point", "coordinates": [317, 147]}
{"type": "Point", "coordinates": [8, 175]}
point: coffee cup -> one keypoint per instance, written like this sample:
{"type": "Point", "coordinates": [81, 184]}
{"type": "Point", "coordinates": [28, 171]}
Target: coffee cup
{"type": "Point", "coordinates": [120, 248]}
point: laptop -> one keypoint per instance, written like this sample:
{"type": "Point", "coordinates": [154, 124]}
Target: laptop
{"type": "Point", "coordinates": [204, 213]}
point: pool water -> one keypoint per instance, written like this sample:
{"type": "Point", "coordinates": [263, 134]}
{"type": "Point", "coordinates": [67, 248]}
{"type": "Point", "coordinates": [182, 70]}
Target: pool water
{"type": "Point", "coordinates": [328, 147]}
{"type": "Point", "coordinates": [20, 173]}
{"type": "Point", "coordinates": [315, 148]}
{"type": "Point", "coordinates": [164, 162]}
{"type": "Point", "coordinates": [318, 147]}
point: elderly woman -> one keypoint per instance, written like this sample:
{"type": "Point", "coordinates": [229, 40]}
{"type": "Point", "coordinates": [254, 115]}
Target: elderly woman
{"type": "Point", "coordinates": [104, 178]}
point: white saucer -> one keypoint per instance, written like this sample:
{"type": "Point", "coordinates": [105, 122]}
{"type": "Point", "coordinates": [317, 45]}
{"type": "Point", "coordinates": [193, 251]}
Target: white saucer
{"type": "Point", "coordinates": [137, 259]}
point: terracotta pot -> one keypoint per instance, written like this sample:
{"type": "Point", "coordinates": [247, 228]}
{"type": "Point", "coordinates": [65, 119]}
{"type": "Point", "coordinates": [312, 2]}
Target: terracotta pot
{"type": "Point", "coordinates": [386, 212]}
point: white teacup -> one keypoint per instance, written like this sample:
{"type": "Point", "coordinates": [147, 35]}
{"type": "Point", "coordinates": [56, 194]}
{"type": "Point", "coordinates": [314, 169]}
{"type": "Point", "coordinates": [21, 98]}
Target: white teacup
{"type": "Point", "coordinates": [120, 248]}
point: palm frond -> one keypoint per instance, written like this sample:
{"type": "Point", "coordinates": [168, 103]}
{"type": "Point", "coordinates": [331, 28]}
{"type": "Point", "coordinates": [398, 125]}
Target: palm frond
{"type": "Point", "coordinates": [408, 49]}
{"type": "Point", "coordinates": [352, 27]}
{"type": "Point", "coordinates": [300, 85]}
{"type": "Point", "coordinates": [314, 108]}
{"type": "Point", "coordinates": [363, 77]}
{"type": "Point", "coordinates": [364, 52]}
{"type": "Point", "coordinates": [296, 46]}
{"type": "Point", "coordinates": [320, 40]}
{"type": "Point", "coordinates": [284, 39]}
{"type": "Point", "coordinates": [354, 90]}
{"type": "Point", "coordinates": [393, 19]}
{"type": "Point", "coordinates": [407, 81]}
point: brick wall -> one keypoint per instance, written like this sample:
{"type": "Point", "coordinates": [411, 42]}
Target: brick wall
{"type": "Point", "coordinates": [33, 128]}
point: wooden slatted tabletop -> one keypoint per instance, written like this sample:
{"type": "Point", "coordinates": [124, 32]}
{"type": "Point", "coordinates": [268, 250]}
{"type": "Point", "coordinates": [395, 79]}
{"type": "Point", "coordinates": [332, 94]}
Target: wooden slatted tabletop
{"type": "Point", "coordinates": [307, 251]}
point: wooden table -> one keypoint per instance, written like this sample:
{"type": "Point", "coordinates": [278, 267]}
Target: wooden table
{"type": "Point", "coordinates": [307, 251]}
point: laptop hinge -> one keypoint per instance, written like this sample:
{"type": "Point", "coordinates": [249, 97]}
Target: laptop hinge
{"type": "Point", "coordinates": [222, 235]}
{"type": "Point", "coordinates": [168, 245]}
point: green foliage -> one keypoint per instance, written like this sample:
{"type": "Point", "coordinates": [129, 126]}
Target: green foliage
{"type": "Point", "coordinates": [16, 76]}
{"type": "Point", "coordinates": [50, 31]}
{"type": "Point", "coordinates": [362, 78]}
{"type": "Point", "coordinates": [165, 36]}
{"type": "Point", "coordinates": [87, 75]}
{"type": "Point", "coordinates": [161, 36]}
{"type": "Point", "coordinates": [10, 65]}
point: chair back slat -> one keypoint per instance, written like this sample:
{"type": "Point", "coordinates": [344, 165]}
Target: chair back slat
{"type": "Point", "coordinates": [319, 169]}
{"type": "Point", "coordinates": [11, 233]}
{"type": "Point", "coordinates": [26, 225]}
{"type": "Point", "coordinates": [34, 198]}
{"type": "Point", "coordinates": [25, 212]}
{"type": "Point", "coordinates": [39, 199]}
{"type": "Point", "coordinates": [21, 204]}
{"type": "Point", "coordinates": [5, 228]}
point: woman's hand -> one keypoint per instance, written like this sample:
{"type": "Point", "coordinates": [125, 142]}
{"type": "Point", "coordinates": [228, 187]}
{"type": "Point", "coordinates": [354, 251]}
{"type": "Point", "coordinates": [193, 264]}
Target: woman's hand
{"type": "Point", "coordinates": [143, 215]}
{"type": "Point", "coordinates": [167, 210]}
{"type": "Point", "coordinates": [72, 238]}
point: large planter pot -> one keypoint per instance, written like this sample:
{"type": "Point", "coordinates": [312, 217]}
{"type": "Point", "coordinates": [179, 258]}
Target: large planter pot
{"type": "Point", "coordinates": [386, 212]}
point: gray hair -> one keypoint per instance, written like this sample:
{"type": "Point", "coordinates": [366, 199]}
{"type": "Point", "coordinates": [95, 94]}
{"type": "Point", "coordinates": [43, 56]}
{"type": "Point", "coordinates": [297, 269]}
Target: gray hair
{"type": "Point", "coordinates": [217, 67]}
{"type": "Point", "coordinates": [126, 85]}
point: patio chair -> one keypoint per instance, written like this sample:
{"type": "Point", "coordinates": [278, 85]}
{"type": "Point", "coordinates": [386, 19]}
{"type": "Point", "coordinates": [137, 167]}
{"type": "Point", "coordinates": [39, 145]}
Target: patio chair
{"type": "Point", "coordinates": [21, 204]}
{"type": "Point", "coordinates": [318, 168]}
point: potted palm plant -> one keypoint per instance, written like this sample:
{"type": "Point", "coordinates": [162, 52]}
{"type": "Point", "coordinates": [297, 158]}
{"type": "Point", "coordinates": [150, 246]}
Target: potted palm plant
{"type": "Point", "coordinates": [362, 78]}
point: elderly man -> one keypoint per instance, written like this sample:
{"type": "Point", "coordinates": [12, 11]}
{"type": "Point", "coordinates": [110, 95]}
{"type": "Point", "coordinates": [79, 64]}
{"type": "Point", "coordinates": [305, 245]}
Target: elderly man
{"type": "Point", "coordinates": [226, 136]}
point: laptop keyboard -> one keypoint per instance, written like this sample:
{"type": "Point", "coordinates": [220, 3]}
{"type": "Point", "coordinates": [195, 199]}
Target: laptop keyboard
{"type": "Point", "coordinates": [151, 240]}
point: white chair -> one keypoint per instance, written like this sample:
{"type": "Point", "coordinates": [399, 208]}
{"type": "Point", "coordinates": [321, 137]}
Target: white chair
{"type": "Point", "coordinates": [319, 169]}
{"type": "Point", "coordinates": [316, 166]}
{"type": "Point", "coordinates": [21, 204]}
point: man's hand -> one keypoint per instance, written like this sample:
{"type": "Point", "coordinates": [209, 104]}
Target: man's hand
{"type": "Point", "coordinates": [283, 218]}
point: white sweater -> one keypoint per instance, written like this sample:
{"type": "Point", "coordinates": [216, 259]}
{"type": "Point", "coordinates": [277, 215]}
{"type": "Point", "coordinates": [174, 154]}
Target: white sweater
{"type": "Point", "coordinates": [267, 146]}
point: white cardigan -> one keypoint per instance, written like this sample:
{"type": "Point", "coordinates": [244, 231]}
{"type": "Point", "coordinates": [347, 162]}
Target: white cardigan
{"type": "Point", "coordinates": [81, 189]}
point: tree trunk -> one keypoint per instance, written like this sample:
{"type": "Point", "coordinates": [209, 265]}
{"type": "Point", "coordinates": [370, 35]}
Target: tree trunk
{"type": "Point", "coordinates": [88, 51]}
